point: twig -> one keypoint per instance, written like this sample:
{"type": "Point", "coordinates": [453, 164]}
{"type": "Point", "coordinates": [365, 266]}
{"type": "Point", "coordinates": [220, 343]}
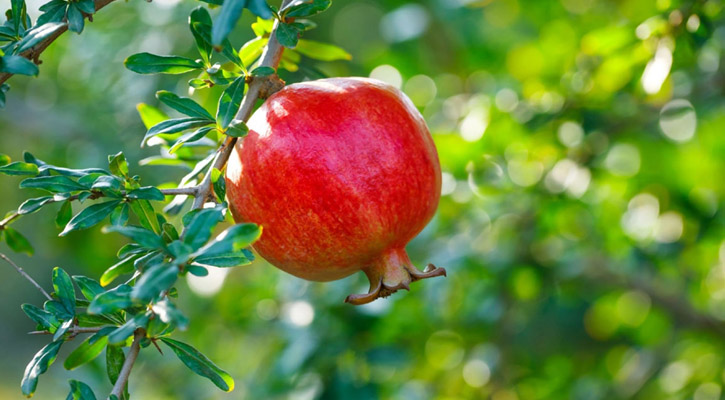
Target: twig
{"type": "Point", "coordinates": [10, 218]}
{"type": "Point", "coordinates": [34, 52]}
{"type": "Point", "coordinates": [128, 364]}
{"type": "Point", "coordinates": [270, 58]}
{"type": "Point", "coordinates": [189, 191]}
{"type": "Point", "coordinates": [26, 276]}
{"type": "Point", "coordinates": [75, 329]}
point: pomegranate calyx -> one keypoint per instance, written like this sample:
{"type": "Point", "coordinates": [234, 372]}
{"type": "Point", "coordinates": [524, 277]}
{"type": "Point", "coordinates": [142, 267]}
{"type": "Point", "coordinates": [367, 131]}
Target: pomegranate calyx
{"type": "Point", "coordinates": [393, 272]}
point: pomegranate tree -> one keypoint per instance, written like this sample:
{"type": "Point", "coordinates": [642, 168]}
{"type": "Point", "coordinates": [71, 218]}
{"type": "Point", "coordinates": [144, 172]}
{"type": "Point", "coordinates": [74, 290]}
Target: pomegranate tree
{"type": "Point", "coordinates": [341, 173]}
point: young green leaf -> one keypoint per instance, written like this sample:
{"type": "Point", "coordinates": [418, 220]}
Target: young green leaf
{"type": "Point", "coordinates": [176, 125]}
{"type": "Point", "coordinates": [190, 137]}
{"type": "Point", "coordinates": [146, 63]}
{"type": "Point", "coordinates": [237, 128]}
{"type": "Point", "coordinates": [288, 35]}
{"type": "Point", "coordinates": [305, 9]}
{"type": "Point", "coordinates": [232, 240]}
{"type": "Point", "coordinates": [32, 205]}
{"type": "Point", "coordinates": [17, 242]}
{"type": "Point", "coordinates": [38, 365]}
{"type": "Point", "coordinates": [90, 216]}
{"type": "Point", "coordinates": [80, 391]}
{"type": "Point", "coordinates": [64, 214]}
{"type": "Point", "coordinates": [183, 105]}
{"type": "Point", "coordinates": [19, 168]}
{"type": "Point", "coordinates": [200, 364]}
{"type": "Point", "coordinates": [53, 184]}
{"type": "Point", "coordinates": [84, 353]}
{"type": "Point", "coordinates": [118, 165]}
{"type": "Point", "coordinates": [41, 317]}
{"type": "Point", "coordinates": [231, 259]}
{"type": "Point", "coordinates": [89, 287]}
{"type": "Point", "coordinates": [200, 25]}
{"type": "Point", "coordinates": [115, 358]}
{"type": "Point", "coordinates": [139, 235]}
{"type": "Point", "coordinates": [226, 20]}
{"type": "Point", "coordinates": [146, 214]}
{"type": "Point", "coordinates": [113, 300]}
{"type": "Point", "coordinates": [12, 64]}
{"type": "Point", "coordinates": [123, 332]}
{"type": "Point", "coordinates": [252, 50]}
{"type": "Point", "coordinates": [155, 280]}
{"type": "Point", "coordinates": [321, 51]}
{"type": "Point", "coordinates": [198, 231]}
{"type": "Point", "coordinates": [75, 18]}
{"type": "Point", "coordinates": [119, 215]}
{"type": "Point", "coordinates": [64, 290]}
{"type": "Point", "coordinates": [146, 193]}
{"type": "Point", "coordinates": [229, 102]}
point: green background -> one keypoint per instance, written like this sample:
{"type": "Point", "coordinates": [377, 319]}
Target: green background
{"type": "Point", "coordinates": [581, 221]}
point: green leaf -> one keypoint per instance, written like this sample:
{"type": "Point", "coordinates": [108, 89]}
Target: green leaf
{"type": "Point", "coordinates": [80, 391]}
{"type": "Point", "coordinates": [123, 332]}
{"type": "Point", "coordinates": [17, 242]}
{"type": "Point", "coordinates": [321, 51]}
{"type": "Point", "coordinates": [169, 232]}
{"type": "Point", "coordinates": [146, 214]}
{"type": "Point", "coordinates": [229, 102]}
{"type": "Point", "coordinates": [75, 18]}
{"type": "Point", "coordinates": [88, 320]}
{"type": "Point", "coordinates": [198, 231]}
{"type": "Point", "coordinates": [18, 11]}
{"type": "Point", "coordinates": [89, 287]}
{"type": "Point", "coordinates": [113, 300]}
{"type": "Point", "coordinates": [43, 318]}
{"type": "Point", "coordinates": [114, 362]}
{"type": "Point", "coordinates": [176, 125]}
{"type": "Point", "coordinates": [224, 260]}
{"type": "Point", "coordinates": [155, 280]}
{"type": "Point", "coordinates": [226, 20]}
{"type": "Point", "coordinates": [146, 193]}
{"type": "Point", "coordinates": [142, 236]}
{"type": "Point", "coordinates": [106, 183]}
{"type": "Point", "coordinates": [168, 313]}
{"type": "Point", "coordinates": [37, 35]}
{"type": "Point", "coordinates": [146, 63]}
{"type": "Point", "coordinates": [4, 159]}
{"type": "Point", "coordinates": [64, 290]}
{"type": "Point", "coordinates": [200, 26]}
{"type": "Point", "coordinates": [252, 50]}
{"type": "Point", "coordinates": [33, 205]}
{"type": "Point", "coordinates": [56, 308]}
{"type": "Point", "coordinates": [260, 8]}
{"type": "Point", "coordinates": [19, 168]}
{"type": "Point", "coordinates": [233, 239]}
{"type": "Point", "coordinates": [263, 71]}
{"type": "Point", "coordinates": [90, 216]}
{"type": "Point", "coordinates": [118, 165]}
{"type": "Point", "coordinates": [237, 128]}
{"type": "Point", "coordinates": [183, 105]}
{"type": "Point", "coordinates": [150, 115]}
{"type": "Point", "coordinates": [119, 215]}
{"type": "Point", "coordinates": [38, 365]}
{"type": "Point", "coordinates": [305, 9]}
{"type": "Point", "coordinates": [200, 364]}
{"type": "Point", "coordinates": [190, 137]}
{"type": "Point", "coordinates": [84, 353]}
{"type": "Point", "coordinates": [12, 64]}
{"type": "Point", "coordinates": [62, 329]}
{"type": "Point", "coordinates": [64, 214]}
{"type": "Point", "coordinates": [87, 6]}
{"type": "Point", "coordinates": [219, 185]}
{"type": "Point", "coordinates": [287, 35]}
{"type": "Point", "coordinates": [54, 184]}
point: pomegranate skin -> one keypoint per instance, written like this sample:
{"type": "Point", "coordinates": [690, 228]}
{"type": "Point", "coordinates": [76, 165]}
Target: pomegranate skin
{"type": "Point", "coordinates": [341, 173]}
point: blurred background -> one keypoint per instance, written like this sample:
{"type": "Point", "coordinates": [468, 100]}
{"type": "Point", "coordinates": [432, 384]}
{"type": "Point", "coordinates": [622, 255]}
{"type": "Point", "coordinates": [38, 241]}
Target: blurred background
{"type": "Point", "coordinates": [581, 219]}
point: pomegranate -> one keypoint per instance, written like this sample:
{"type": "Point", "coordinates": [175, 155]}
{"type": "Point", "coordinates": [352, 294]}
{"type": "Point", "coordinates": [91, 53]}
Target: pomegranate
{"type": "Point", "coordinates": [341, 173]}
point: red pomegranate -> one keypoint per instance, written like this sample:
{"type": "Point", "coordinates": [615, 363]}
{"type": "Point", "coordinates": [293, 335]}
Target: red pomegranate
{"type": "Point", "coordinates": [341, 173]}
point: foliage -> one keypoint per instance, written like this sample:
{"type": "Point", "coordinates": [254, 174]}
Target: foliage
{"type": "Point", "coordinates": [581, 220]}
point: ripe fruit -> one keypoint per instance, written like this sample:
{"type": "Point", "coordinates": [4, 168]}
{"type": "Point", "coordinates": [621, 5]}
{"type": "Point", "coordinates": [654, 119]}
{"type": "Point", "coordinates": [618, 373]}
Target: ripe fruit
{"type": "Point", "coordinates": [341, 173]}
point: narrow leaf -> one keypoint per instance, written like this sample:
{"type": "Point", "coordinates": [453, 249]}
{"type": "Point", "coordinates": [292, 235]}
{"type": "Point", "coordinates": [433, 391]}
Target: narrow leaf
{"type": "Point", "coordinates": [200, 364]}
{"type": "Point", "coordinates": [146, 63]}
{"type": "Point", "coordinates": [84, 353]}
{"type": "Point", "coordinates": [38, 365]}
{"type": "Point", "coordinates": [229, 102]}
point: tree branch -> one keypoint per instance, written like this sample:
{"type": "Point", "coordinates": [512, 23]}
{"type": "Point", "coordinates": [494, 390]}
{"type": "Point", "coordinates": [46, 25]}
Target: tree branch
{"type": "Point", "coordinates": [34, 52]}
{"type": "Point", "coordinates": [128, 364]}
{"type": "Point", "coordinates": [258, 88]}
{"type": "Point", "coordinates": [75, 329]}
{"type": "Point", "coordinates": [26, 276]}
